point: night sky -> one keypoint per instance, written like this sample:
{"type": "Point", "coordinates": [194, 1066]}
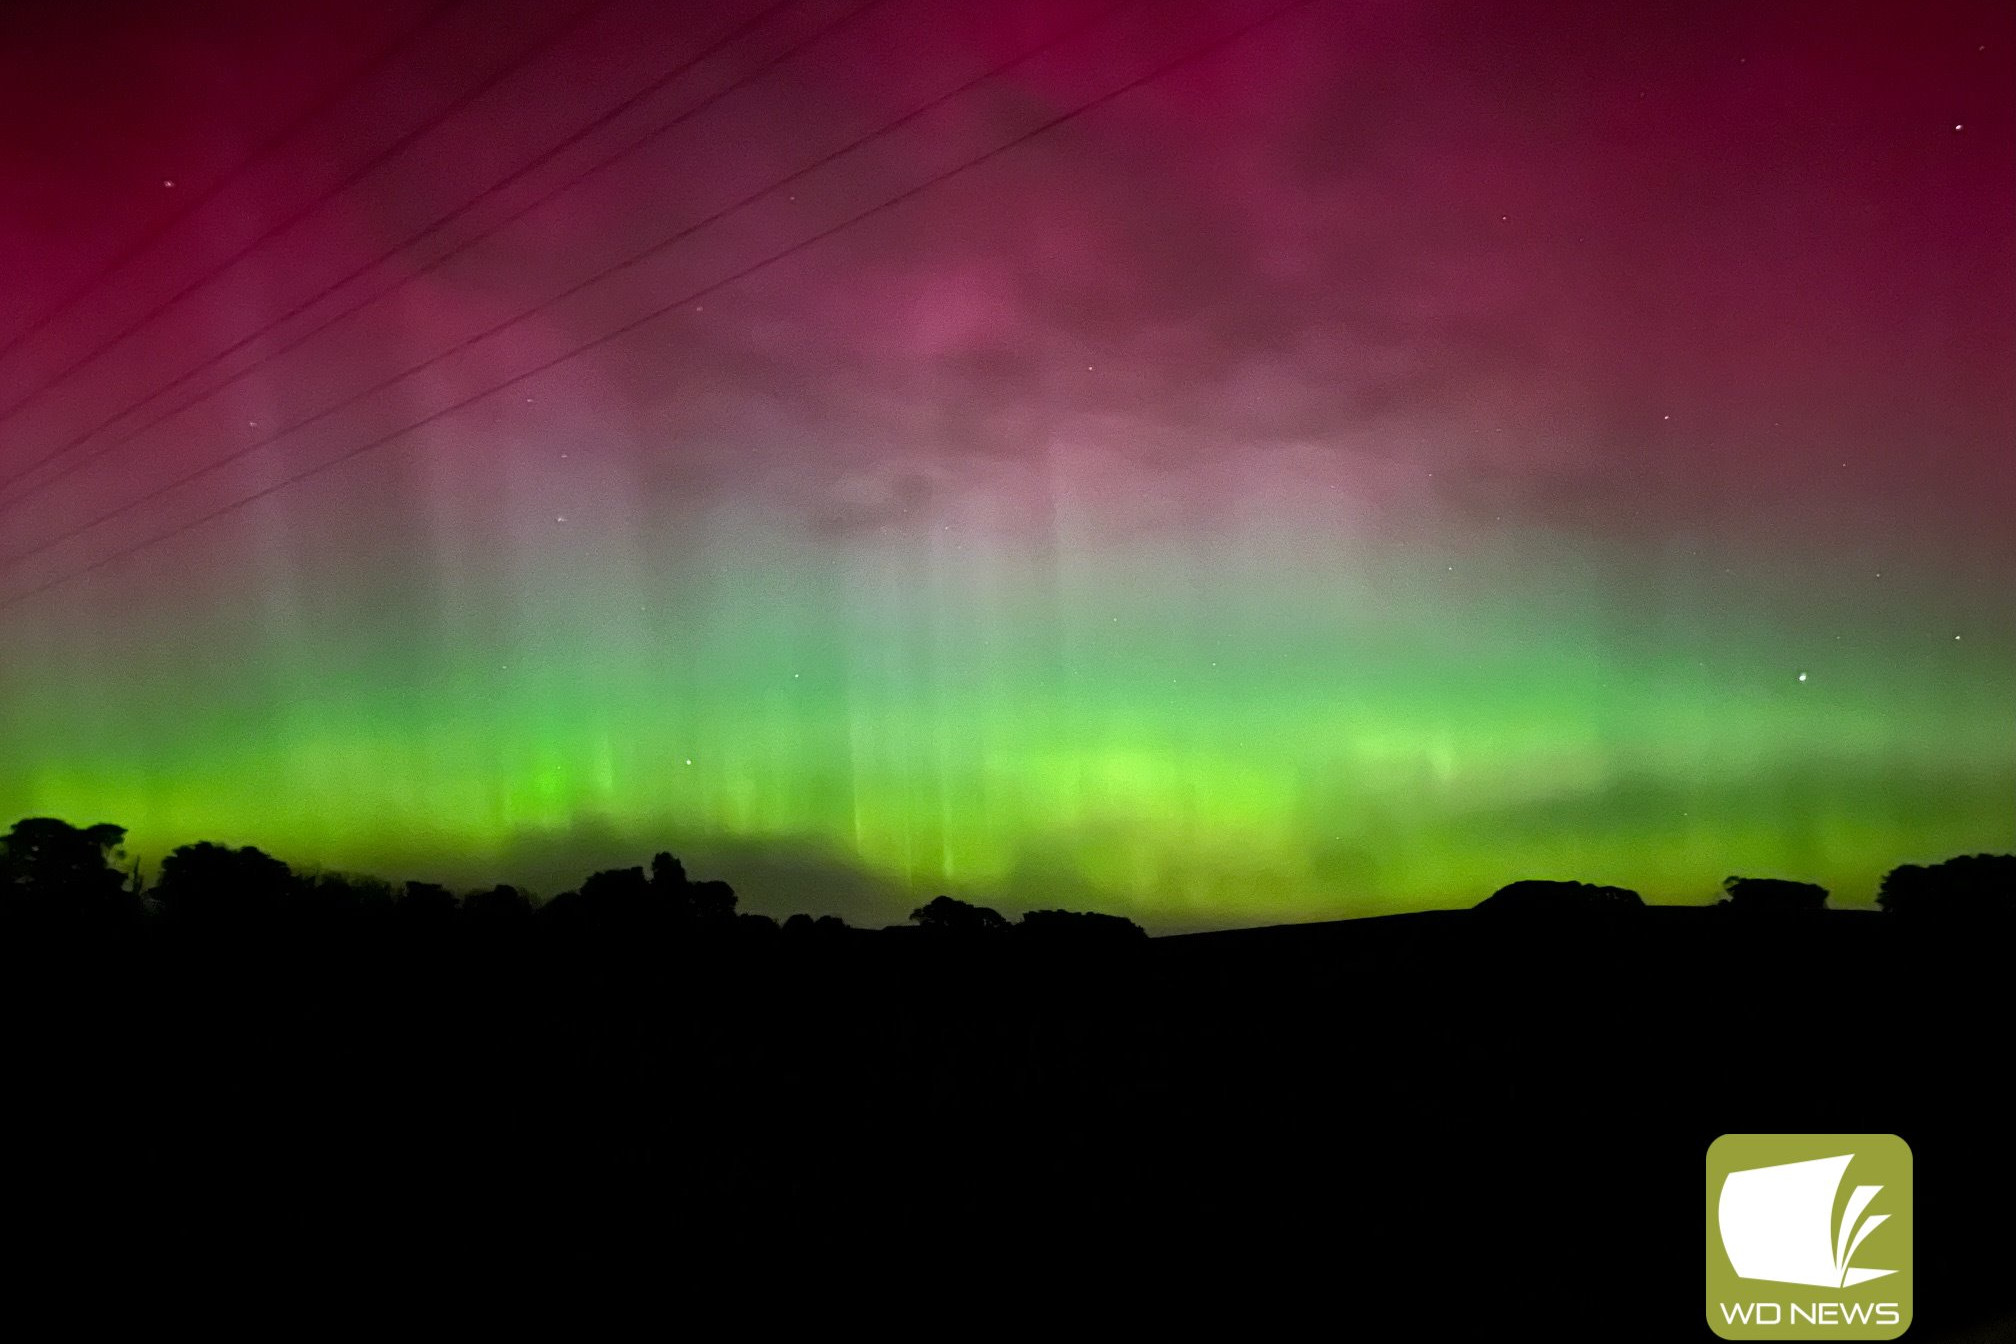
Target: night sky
{"type": "Point", "coordinates": [1410, 447]}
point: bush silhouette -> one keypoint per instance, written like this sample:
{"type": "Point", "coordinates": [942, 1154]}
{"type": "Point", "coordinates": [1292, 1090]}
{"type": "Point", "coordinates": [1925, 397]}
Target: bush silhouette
{"type": "Point", "coordinates": [1773, 896]}
{"type": "Point", "coordinates": [1537, 897]}
{"type": "Point", "coordinates": [1071, 928]}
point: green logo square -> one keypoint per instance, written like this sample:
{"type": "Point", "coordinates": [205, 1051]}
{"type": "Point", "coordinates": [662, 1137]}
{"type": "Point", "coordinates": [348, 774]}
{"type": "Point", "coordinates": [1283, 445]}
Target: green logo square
{"type": "Point", "coordinates": [1809, 1236]}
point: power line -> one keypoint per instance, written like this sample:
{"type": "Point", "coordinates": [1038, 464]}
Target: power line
{"type": "Point", "coordinates": [545, 304]}
{"type": "Point", "coordinates": [377, 161]}
{"type": "Point", "coordinates": [359, 76]}
{"type": "Point", "coordinates": [332, 287]}
{"type": "Point", "coordinates": [1190, 57]}
{"type": "Point", "coordinates": [547, 156]}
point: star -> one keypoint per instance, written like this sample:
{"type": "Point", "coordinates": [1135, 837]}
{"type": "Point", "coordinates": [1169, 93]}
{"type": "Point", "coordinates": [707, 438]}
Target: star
{"type": "Point", "coordinates": [1802, 676]}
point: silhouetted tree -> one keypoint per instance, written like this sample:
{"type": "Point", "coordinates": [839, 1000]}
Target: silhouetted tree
{"type": "Point", "coordinates": [1539, 897]}
{"type": "Point", "coordinates": [945, 915]}
{"type": "Point", "coordinates": [1906, 889]}
{"type": "Point", "coordinates": [612, 901]}
{"type": "Point", "coordinates": [427, 903]}
{"type": "Point", "coordinates": [497, 905]}
{"type": "Point", "coordinates": [1968, 888]}
{"type": "Point", "coordinates": [217, 885]}
{"type": "Point", "coordinates": [626, 887]}
{"type": "Point", "coordinates": [628, 902]}
{"type": "Point", "coordinates": [667, 873]}
{"type": "Point", "coordinates": [1773, 896]}
{"type": "Point", "coordinates": [562, 910]}
{"type": "Point", "coordinates": [711, 904]}
{"type": "Point", "coordinates": [52, 870]}
{"type": "Point", "coordinates": [342, 896]}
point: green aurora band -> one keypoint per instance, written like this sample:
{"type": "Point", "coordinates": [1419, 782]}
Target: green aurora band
{"type": "Point", "coordinates": [1292, 708]}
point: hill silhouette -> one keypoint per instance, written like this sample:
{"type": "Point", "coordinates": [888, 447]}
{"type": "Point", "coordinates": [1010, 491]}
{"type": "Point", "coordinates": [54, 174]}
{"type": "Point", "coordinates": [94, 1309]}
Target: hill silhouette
{"type": "Point", "coordinates": [329, 1084]}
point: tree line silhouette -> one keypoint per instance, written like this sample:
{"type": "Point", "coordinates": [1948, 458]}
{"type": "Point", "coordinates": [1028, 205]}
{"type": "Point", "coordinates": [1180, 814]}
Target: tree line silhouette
{"type": "Point", "coordinates": [1967, 889]}
{"type": "Point", "coordinates": [309, 1083]}
{"type": "Point", "coordinates": [57, 875]}
{"type": "Point", "coordinates": [54, 873]}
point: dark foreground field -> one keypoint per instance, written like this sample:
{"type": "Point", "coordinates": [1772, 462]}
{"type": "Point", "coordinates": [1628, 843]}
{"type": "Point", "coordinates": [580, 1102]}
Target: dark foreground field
{"type": "Point", "coordinates": [1438, 1126]}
